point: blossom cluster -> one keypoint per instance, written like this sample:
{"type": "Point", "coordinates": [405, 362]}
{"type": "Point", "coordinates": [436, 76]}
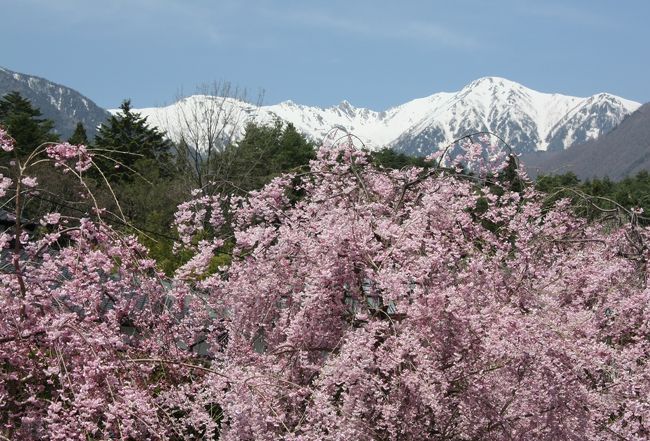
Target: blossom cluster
{"type": "Point", "coordinates": [6, 141]}
{"type": "Point", "coordinates": [419, 305]}
{"type": "Point", "coordinates": [64, 152]}
{"type": "Point", "coordinates": [360, 303]}
{"type": "Point", "coordinates": [5, 184]}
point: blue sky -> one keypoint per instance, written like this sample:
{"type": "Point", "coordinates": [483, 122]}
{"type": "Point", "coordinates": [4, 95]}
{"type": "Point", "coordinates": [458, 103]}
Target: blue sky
{"type": "Point", "coordinates": [375, 54]}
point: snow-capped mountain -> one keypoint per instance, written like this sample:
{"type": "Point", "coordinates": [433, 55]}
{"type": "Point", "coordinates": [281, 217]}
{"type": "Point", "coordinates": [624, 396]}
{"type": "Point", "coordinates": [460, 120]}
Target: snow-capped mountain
{"type": "Point", "coordinates": [624, 151]}
{"type": "Point", "coordinates": [65, 106]}
{"type": "Point", "coordinates": [528, 120]}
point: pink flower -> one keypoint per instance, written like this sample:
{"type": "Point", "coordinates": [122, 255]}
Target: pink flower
{"type": "Point", "coordinates": [380, 304]}
{"type": "Point", "coordinates": [6, 141]}
{"type": "Point", "coordinates": [29, 181]}
{"type": "Point", "coordinates": [61, 153]}
{"type": "Point", "coordinates": [51, 219]}
{"type": "Point", "coordinates": [5, 240]}
{"type": "Point", "coordinates": [5, 183]}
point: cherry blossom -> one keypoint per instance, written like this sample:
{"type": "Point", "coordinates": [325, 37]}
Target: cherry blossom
{"type": "Point", "coordinates": [29, 181]}
{"type": "Point", "coordinates": [6, 141]}
{"type": "Point", "coordinates": [359, 303]}
{"type": "Point", "coordinates": [61, 153]}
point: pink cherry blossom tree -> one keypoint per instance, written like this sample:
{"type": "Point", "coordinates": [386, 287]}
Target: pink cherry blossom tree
{"type": "Point", "coordinates": [358, 303]}
{"type": "Point", "coordinates": [84, 313]}
{"type": "Point", "coordinates": [419, 305]}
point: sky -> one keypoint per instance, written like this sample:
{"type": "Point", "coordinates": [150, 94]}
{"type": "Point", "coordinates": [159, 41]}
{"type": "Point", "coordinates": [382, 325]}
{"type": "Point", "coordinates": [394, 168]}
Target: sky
{"type": "Point", "coordinates": [375, 54]}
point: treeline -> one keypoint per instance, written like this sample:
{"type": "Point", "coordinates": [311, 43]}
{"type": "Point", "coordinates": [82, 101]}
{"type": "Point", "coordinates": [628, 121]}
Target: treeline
{"type": "Point", "coordinates": [594, 197]}
{"type": "Point", "coordinates": [141, 175]}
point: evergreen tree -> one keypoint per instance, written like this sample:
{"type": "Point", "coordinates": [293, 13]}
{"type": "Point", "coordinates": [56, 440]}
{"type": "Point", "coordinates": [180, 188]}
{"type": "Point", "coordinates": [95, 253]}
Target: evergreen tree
{"type": "Point", "coordinates": [79, 136]}
{"type": "Point", "coordinates": [389, 158]}
{"type": "Point", "coordinates": [127, 138]}
{"type": "Point", "coordinates": [294, 150]}
{"type": "Point", "coordinates": [262, 154]}
{"type": "Point", "coordinates": [594, 197]}
{"type": "Point", "coordinates": [24, 123]}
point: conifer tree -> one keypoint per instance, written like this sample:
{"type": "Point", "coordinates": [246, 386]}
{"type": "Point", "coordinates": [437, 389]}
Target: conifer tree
{"type": "Point", "coordinates": [79, 137]}
{"type": "Point", "coordinates": [24, 123]}
{"type": "Point", "coordinates": [127, 138]}
{"type": "Point", "coordinates": [262, 154]}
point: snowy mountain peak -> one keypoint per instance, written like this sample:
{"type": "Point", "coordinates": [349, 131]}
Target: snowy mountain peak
{"type": "Point", "coordinates": [527, 119]}
{"type": "Point", "coordinates": [346, 108]}
{"type": "Point", "coordinates": [492, 82]}
{"type": "Point", "coordinates": [612, 100]}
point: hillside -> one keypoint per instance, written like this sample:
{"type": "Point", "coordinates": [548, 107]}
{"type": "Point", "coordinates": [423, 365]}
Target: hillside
{"type": "Point", "coordinates": [65, 106]}
{"type": "Point", "coordinates": [622, 152]}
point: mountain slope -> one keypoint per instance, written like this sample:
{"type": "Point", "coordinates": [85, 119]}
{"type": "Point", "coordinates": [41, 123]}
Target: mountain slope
{"type": "Point", "coordinates": [622, 152]}
{"type": "Point", "coordinates": [527, 119]}
{"type": "Point", "coordinates": [61, 104]}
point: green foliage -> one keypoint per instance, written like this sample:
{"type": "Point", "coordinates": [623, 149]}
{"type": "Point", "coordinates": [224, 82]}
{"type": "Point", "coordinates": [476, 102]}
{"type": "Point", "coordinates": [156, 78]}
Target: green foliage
{"type": "Point", "coordinates": [29, 130]}
{"type": "Point", "coordinates": [264, 153]}
{"type": "Point", "coordinates": [551, 183]}
{"type": "Point", "coordinates": [510, 178]}
{"type": "Point", "coordinates": [24, 123]}
{"type": "Point", "coordinates": [389, 158]}
{"type": "Point", "coordinates": [142, 191]}
{"type": "Point", "coordinates": [589, 197]}
{"type": "Point", "coordinates": [127, 137]}
{"type": "Point", "coordinates": [631, 192]}
{"type": "Point", "coordinates": [79, 137]}
{"type": "Point", "coordinates": [148, 202]}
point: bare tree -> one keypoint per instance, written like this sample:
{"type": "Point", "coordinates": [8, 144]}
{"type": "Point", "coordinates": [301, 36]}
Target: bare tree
{"type": "Point", "coordinates": [203, 125]}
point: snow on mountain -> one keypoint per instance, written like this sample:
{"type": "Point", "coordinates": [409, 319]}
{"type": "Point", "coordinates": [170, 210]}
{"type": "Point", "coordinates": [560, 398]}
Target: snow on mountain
{"type": "Point", "coordinates": [528, 120]}
{"type": "Point", "coordinates": [65, 106]}
{"type": "Point", "coordinates": [622, 152]}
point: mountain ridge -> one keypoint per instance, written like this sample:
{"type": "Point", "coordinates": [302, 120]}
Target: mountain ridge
{"type": "Point", "coordinates": [527, 119]}
{"type": "Point", "coordinates": [622, 152]}
{"type": "Point", "coordinates": [63, 105]}
{"type": "Point", "coordinates": [541, 125]}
